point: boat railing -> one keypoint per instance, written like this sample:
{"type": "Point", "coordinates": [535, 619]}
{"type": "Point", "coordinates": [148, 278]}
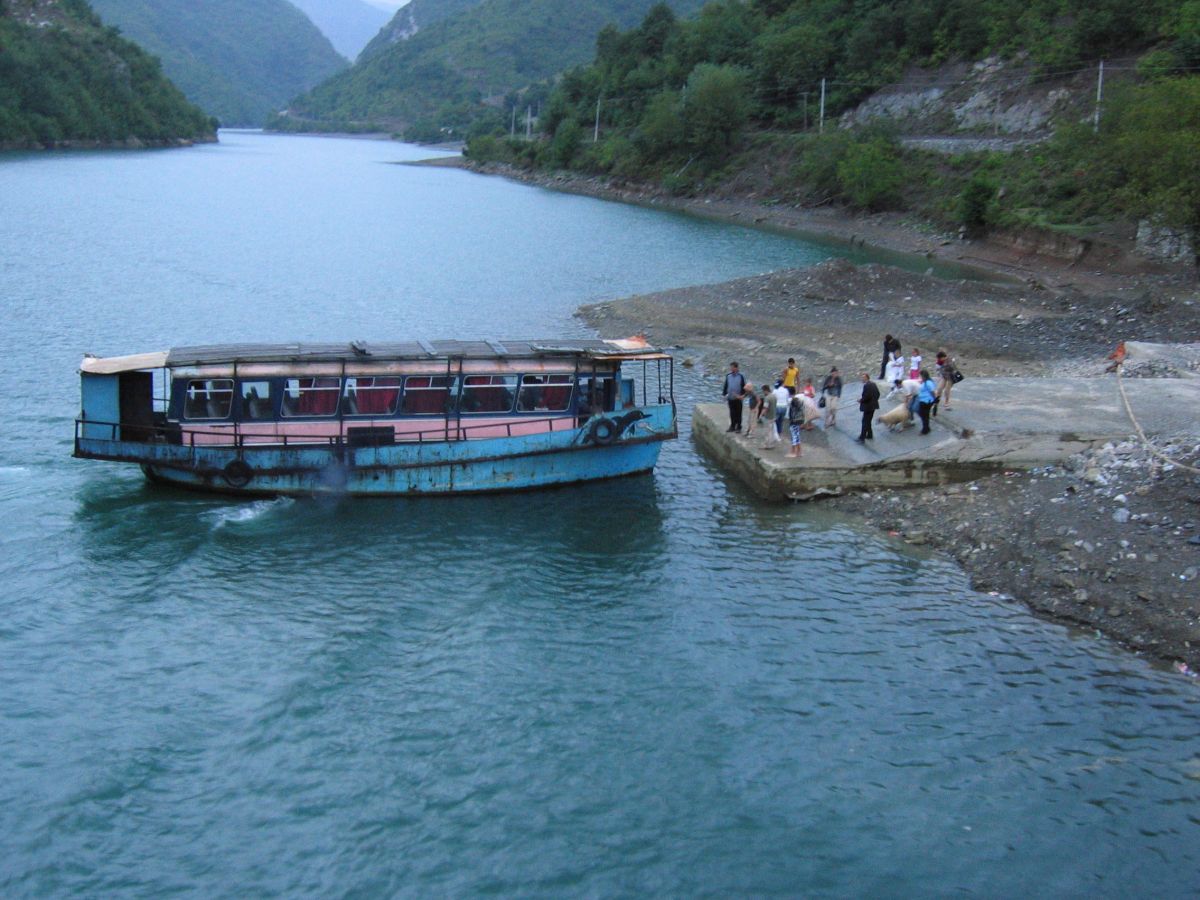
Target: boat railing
{"type": "Point", "coordinates": [347, 435]}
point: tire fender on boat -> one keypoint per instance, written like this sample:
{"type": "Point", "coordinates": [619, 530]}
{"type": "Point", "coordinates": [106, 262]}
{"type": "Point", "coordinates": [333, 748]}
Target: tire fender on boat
{"type": "Point", "coordinates": [237, 473]}
{"type": "Point", "coordinates": [603, 432]}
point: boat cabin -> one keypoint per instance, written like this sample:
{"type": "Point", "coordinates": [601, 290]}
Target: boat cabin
{"type": "Point", "coordinates": [362, 394]}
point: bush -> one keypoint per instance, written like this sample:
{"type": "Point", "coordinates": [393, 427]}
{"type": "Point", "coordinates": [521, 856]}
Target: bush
{"type": "Point", "coordinates": [869, 175]}
{"type": "Point", "coordinates": [975, 205]}
{"type": "Point", "coordinates": [486, 148]}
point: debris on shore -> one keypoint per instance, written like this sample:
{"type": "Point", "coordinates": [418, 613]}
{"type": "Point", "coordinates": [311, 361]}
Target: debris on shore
{"type": "Point", "coordinates": [1109, 541]}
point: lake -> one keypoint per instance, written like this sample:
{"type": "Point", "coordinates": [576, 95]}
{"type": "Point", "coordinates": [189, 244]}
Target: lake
{"type": "Point", "coordinates": [654, 686]}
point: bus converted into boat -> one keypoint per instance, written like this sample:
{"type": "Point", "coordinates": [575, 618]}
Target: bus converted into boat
{"type": "Point", "coordinates": [424, 417]}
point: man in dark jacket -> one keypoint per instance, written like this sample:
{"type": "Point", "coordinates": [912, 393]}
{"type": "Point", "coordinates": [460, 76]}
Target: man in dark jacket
{"type": "Point", "coordinates": [890, 346]}
{"type": "Point", "coordinates": [735, 387]}
{"type": "Point", "coordinates": [868, 403]}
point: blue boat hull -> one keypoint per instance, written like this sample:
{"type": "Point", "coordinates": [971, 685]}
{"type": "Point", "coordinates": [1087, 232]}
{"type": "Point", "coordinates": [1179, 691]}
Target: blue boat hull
{"type": "Point", "coordinates": [418, 468]}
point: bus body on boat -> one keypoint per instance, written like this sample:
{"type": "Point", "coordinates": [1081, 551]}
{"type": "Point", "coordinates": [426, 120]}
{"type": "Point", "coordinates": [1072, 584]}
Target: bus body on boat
{"type": "Point", "coordinates": [380, 419]}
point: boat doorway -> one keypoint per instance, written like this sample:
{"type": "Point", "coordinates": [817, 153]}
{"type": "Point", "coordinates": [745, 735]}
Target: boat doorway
{"type": "Point", "coordinates": [136, 397]}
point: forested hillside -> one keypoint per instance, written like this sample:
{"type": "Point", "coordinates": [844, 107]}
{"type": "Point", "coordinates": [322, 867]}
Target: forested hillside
{"type": "Point", "coordinates": [240, 60]}
{"type": "Point", "coordinates": [443, 74]}
{"type": "Point", "coordinates": [415, 16]}
{"type": "Point", "coordinates": [693, 104]}
{"type": "Point", "coordinates": [349, 24]}
{"type": "Point", "coordinates": [64, 77]}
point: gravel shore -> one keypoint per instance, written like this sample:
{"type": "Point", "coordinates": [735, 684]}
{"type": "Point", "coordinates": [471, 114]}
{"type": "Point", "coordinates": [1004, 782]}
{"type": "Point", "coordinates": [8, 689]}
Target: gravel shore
{"type": "Point", "coordinates": [1048, 538]}
{"type": "Point", "coordinates": [1109, 542]}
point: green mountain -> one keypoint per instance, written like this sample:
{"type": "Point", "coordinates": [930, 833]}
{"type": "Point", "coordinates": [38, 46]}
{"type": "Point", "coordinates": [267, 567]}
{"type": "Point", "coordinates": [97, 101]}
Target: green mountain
{"type": "Point", "coordinates": [447, 68]}
{"type": "Point", "coordinates": [413, 17]}
{"type": "Point", "coordinates": [238, 59]}
{"type": "Point", "coordinates": [64, 77]}
{"type": "Point", "coordinates": [728, 101]}
{"type": "Point", "coordinates": [349, 24]}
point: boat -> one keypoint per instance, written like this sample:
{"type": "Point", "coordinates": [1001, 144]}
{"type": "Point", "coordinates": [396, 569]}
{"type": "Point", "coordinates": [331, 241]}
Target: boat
{"type": "Point", "coordinates": [446, 417]}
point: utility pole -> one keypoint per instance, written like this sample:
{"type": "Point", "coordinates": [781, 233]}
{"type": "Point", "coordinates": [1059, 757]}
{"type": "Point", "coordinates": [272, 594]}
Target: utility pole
{"type": "Point", "coordinates": [821, 126]}
{"type": "Point", "coordinates": [596, 130]}
{"type": "Point", "coordinates": [512, 130]}
{"type": "Point", "coordinates": [1099, 96]}
{"type": "Point", "coordinates": [528, 122]}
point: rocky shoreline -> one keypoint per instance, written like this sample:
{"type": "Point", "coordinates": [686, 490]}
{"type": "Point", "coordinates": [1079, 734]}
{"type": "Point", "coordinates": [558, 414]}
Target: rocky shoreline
{"type": "Point", "coordinates": [1048, 537]}
{"type": "Point", "coordinates": [1110, 541]}
{"type": "Point", "coordinates": [132, 143]}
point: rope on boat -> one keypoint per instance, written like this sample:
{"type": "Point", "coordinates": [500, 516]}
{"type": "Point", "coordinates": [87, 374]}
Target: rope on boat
{"type": "Point", "coordinates": [1120, 364]}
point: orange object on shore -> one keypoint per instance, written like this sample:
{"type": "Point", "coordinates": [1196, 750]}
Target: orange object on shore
{"type": "Point", "coordinates": [1117, 356]}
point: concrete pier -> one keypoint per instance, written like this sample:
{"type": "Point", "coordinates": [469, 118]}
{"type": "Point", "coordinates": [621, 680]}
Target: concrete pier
{"type": "Point", "coordinates": [994, 424]}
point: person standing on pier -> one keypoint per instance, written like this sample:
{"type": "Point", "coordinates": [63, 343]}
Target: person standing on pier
{"type": "Point", "coordinates": [767, 409]}
{"type": "Point", "coordinates": [925, 399]}
{"type": "Point", "coordinates": [797, 416]}
{"type": "Point", "coordinates": [868, 403]}
{"type": "Point", "coordinates": [914, 363]}
{"type": "Point", "coordinates": [783, 397]}
{"type": "Point", "coordinates": [894, 368]}
{"type": "Point", "coordinates": [790, 374]}
{"type": "Point", "coordinates": [890, 346]}
{"type": "Point", "coordinates": [752, 403]}
{"type": "Point", "coordinates": [947, 376]}
{"type": "Point", "coordinates": [735, 388]}
{"type": "Point", "coordinates": [831, 394]}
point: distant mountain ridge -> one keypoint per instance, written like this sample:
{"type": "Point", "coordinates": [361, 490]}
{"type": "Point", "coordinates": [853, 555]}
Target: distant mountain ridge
{"type": "Point", "coordinates": [240, 60]}
{"type": "Point", "coordinates": [437, 57]}
{"type": "Point", "coordinates": [412, 18]}
{"type": "Point", "coordinates": [65, 79]}
{"type": "Point", "coordinates": [349, 24]}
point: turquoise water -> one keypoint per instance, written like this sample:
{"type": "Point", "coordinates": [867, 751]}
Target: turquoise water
{"type": "Point", "coordinates": [657, 686]}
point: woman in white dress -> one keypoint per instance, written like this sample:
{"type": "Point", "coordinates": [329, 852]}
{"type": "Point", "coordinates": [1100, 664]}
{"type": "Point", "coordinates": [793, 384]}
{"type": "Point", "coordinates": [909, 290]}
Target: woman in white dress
{"type": "Point", "coordinates": [895, 368]}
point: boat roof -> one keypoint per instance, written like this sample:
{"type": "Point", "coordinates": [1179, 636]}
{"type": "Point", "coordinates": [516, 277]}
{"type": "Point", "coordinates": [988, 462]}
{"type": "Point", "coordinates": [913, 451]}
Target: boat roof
{"type": "Point", "coordinates": [362, 351]}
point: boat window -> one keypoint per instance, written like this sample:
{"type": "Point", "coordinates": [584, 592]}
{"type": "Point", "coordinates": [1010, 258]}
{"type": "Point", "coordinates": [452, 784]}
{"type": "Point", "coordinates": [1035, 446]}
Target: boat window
{"type": "Point", "coordinates": [373, 396]}
{"type": "Point", "coordinates": [489, 393]}
{"type": "Point", "coordinates": [210, 399]}
{"type": "Point", "coordinates": [429, 394]}
{"type": "Point", "coordinates": [551, 393]}
{"type": "Point", "coordinates": [595, 395]}
{"type": "Point", "coordinates": [256, 400]}
{"type": "Point", "coordinates": [310, 396]}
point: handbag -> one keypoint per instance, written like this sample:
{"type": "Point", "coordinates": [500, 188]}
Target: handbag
{"type": "Point", "coordinates": [821, 403]}
{"type": "Point", "coordinates": [957, 376]}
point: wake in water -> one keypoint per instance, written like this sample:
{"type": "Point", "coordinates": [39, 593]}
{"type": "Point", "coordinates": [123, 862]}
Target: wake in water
{"type": "Point", "coordinates": [235, 516]}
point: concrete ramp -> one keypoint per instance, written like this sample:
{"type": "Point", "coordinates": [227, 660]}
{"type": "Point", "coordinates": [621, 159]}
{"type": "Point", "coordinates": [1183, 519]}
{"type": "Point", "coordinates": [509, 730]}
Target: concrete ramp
{"type": "Point", "coordinates": [994, 424]}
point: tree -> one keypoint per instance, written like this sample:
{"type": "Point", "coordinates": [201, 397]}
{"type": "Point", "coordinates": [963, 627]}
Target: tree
{"type": "Point", "coordinates": [565, 144]}
{"type": "Point", "coordinates": [790, 61]}
{"type": "Point", "coordinates": [660, 132]}
{"type": "Point", "coordinates": [1155, 137]}
{"type": "Point", "coordinates": [716, 108]}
